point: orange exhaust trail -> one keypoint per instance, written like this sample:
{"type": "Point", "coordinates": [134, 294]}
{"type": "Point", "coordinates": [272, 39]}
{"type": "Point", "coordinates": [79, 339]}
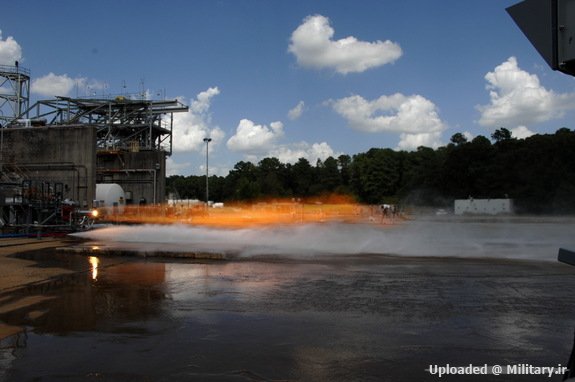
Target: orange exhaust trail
{"type": "Point", "coordinates": [241, 215]}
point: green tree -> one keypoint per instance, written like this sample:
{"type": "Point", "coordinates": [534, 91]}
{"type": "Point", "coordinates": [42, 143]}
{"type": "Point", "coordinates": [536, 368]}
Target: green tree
{"type": "Point", "coordinates": [302, 177]}
{"type": "Point", "coordinates": [376, 175]}
{"type": "Point", "coordinates": [328, 176]}
{"type": "Point", "coordinates": [537, 172]}
{"type": "Point", "coordinates": [458, 139]}
{"type": "Point", "coordinates": [270, 177]}
{"type": "Point", "coordinates": [421, 181]}
{"type": "Point", "coordinates": [241, 182]}
{"type": "Point", "coordinates": [466, 169]}
{"type": "Point", "coordinates": [344, 164]}
{"type": "Point", "coordinates": [501, 134]}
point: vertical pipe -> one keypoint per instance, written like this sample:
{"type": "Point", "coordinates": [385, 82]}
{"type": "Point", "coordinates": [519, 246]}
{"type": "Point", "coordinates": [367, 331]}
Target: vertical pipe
{"type": "Point", "coordinates": [207, 175]}
{"type": "Point", "coordinates": [18, 92]}
{"type": "Point", "coordinates": [171, 131]}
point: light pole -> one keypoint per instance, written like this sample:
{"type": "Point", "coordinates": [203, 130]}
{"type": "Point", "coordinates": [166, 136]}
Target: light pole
{"type": "Point", "coordinates": [207, 140]}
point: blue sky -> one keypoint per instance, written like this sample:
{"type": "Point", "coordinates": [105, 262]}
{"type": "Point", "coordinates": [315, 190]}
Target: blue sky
{"type": "Point", "coordinates": [296, 78]}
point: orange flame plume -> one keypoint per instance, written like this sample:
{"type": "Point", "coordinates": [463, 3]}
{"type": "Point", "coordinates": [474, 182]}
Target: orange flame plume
{"type": "Point", "coordinates": [333, 208]}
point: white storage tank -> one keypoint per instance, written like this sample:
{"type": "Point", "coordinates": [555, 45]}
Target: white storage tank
{"type": "Point", "coordinates": [110, 196]}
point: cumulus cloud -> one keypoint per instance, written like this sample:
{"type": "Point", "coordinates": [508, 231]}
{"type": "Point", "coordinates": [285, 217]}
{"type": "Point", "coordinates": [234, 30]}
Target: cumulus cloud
{"type": "Point", "coordinates": [52, 85]}
{"type": "Point", "coordinates": [468, 135]}
{"type": "Point", "coordinates": [192, 127]}
{"type": "Point", "coordinates": [297, 111]}
{"type": "Point", "coordinates": [10, 50]}
{"type": "Point", "coordinates": [219, 170]}
{"type": "Point", "coordinates": [256, 142]}
{"type": "Point", "coordinates": [253, 138]}
{"type": "Point", "coordinates": [292, 153]}
{"type": "Point", "coordinates": [313, 46]}
{"type": "Point", "coordinates": [414, 117]}
{"type": "Point", "coordinates": [410, 142]}
{"type": "Point", "coordinates": [202, 103]}
{"type": "Point", "coordinates": [176, 168]}
{"type": "Point", "coordinates": [521, 132]}
{"type": "Point", "coordinates": [517, 98]}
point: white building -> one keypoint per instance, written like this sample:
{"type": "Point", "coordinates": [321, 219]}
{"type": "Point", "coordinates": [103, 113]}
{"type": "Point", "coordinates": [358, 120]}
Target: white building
{"type": "Point", "coordinates": [483, 206]}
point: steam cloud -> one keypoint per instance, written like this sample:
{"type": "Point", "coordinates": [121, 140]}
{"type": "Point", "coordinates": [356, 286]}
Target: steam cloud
{"type": "Point", "coordinates": [525, 240]}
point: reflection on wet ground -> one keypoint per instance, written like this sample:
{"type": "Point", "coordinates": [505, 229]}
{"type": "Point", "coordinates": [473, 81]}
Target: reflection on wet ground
{"type": "Point", "coordinates": [351, 318]}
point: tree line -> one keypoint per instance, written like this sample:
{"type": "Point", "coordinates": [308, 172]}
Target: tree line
{"type": "Point", "coordinates": [538, 172]}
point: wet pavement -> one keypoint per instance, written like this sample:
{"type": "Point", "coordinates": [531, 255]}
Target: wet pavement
{"type": "Point", "coordinates": [339, 318]}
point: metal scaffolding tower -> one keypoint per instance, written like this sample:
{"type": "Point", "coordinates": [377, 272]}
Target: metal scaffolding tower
{"type": "Point", "coordinates": [123, 124]}
{"type": "Point", "coordinates": [14, 93]}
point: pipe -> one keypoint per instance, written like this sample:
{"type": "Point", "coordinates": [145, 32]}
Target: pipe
{"type": "Point", "coordinates": [64, 166]}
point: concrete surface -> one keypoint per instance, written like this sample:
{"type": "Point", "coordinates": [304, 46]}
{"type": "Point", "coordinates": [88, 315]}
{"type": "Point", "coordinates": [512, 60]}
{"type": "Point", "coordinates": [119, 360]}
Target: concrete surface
{"type": "Point", "coordinates": [16, 272]}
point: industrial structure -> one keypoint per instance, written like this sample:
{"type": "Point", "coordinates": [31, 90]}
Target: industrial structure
{"type": "Point", "coordinates": [55, 151]}
{"type": "Point", "coordinates": [14, 92]}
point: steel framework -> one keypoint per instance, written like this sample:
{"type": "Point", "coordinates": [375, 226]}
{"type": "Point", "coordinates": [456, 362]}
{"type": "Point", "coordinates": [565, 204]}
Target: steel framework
{"type": "Point", "coordinates": [14, 92]}
{"type": "Point", "coordinates": [122, 123]}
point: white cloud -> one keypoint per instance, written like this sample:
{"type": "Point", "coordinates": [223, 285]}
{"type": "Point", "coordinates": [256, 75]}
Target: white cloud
{"type": "Point", "coordinates": [292, 153]}
{"type": "Point", "coordinates": [414, 117]}
{"type": "Point", "coordinates": [397, 113]}
{"type": "Point", "coordinates": [192, 127]}
{"type": "Point", "coordinates": [297, 111]}
{"type": "Point", "coordinates": [253, 138]}
{"type": "Point", "coordinates": [256, 142]}
{"type": "Point", "coordinates": [468, 135]}
{"type": "Point", "coordinates": [410, 142]}
{"type": "Point", "coordinates": [202, 103]}
{"type": "Point", "coordinates": [52, 85]}
{"type": "Point", "coordinates": [518, 98]}
{"type": "Point", "coordinates": [176, 168]}
{"type": "Point", "coordinates": [10, 50]}
{"type": "Point", "coordinates": [313, 45]}
{"type": "Point", "coordinates": [219, 170]}
{"type": "Point", "coordinates": [521, 132]}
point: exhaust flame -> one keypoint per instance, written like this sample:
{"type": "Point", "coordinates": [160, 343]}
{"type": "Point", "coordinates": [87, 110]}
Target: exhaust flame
{"type": "Point", "coordinates": [319, 227]}
{"type": "Point", "coordinates": [331, 209]}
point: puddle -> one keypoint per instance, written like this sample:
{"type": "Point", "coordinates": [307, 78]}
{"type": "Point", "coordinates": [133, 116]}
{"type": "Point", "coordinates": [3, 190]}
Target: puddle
{"type": "Point", "coordinates": [357, 318]}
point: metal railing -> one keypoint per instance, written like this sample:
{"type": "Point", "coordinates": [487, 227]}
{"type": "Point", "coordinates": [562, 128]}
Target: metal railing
{"type": "Point", "coordinates": [14, 69]}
